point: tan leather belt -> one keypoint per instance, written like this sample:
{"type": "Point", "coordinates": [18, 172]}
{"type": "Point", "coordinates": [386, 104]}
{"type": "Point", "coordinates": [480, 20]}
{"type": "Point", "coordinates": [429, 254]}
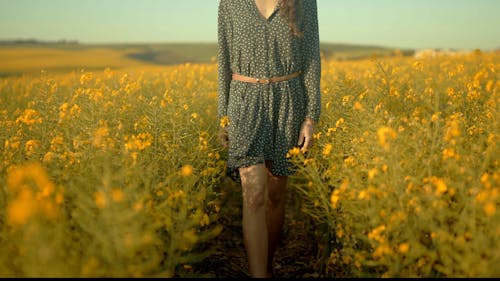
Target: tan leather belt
{"type": "Point", "coordinates": [247, 79]}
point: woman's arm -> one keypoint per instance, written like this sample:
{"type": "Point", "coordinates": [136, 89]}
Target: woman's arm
{"type": "Point", "coordinates": [312, 60]}
{"type": "Point", "coordinates": [223, 58]}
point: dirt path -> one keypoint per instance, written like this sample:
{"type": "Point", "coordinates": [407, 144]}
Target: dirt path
{"type": "Point", "coordinates": [295, 257]}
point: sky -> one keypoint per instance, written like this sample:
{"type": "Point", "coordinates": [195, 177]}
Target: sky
{"type": "Point", "coordinates": [414, 24]}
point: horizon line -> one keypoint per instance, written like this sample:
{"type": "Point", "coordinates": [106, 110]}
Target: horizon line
{"type": "Point", "coordinates": [76, 41]}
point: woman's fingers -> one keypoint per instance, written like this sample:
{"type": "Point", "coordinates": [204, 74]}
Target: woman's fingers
{"type": "Point", "coordinates": [306, 136]}
{"type": "Point", "coordinates": [301, 141]}
{"type": "Point", "coordinates": [308, 142]}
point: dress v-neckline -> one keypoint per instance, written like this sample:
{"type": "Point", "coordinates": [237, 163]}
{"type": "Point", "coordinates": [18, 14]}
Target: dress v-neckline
{"type": "Point", "coordinates": [259, 13]}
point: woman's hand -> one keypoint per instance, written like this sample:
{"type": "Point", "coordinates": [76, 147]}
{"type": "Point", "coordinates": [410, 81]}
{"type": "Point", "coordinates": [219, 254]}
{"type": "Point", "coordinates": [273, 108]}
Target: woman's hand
{"type": "Point", "coordinates": [306, 135]}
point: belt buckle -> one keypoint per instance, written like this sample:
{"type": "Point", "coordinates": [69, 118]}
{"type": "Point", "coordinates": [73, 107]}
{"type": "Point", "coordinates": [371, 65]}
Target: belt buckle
{"type": "Point", "coordinates": [263, 80]}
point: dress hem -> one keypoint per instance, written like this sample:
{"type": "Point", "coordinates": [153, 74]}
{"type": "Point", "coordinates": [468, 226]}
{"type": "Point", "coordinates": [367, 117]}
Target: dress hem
{"type": "Point", "coordinates": [232, 169]}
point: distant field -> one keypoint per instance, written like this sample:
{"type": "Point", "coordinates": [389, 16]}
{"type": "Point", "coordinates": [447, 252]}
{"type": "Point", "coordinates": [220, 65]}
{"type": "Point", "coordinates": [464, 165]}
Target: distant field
{"type": "Point", "coordinates": [16, 59]}
{"type": "Point", "coordinates": [23, 60]}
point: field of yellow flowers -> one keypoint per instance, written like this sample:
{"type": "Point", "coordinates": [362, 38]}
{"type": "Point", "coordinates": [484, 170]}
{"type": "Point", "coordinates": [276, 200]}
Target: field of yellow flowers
{"type": "Point", "coordinates": [405, 178]}
{"type": "Point", "coordinates": [117, 173]}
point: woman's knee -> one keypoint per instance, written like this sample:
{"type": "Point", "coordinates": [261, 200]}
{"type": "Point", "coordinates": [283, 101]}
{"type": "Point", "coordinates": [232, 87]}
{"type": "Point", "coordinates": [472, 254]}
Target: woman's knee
{"type": "Point", "coordinates": [254, 199]}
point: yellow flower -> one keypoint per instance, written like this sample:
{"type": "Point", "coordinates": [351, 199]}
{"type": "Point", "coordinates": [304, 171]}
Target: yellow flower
{"type": "Point", "coordinates": [435, 116]}
{"type": "Point", "coordinates": [372, 173]}
{"type": "Point", "coordinates": [334, 198]}
{"type": "Point", "coordinates": [19, 176]}
{"type": "Point", "coordinates": [384, 134]}
{"type": "Point", "coordinates": [100, 199]}
{"type": "Point", "coordinates": [117, 195]}
{"type": "Point", "coordinates": [418, 65]}
{"type": "Point", "coordinates": [328, 149]}
{"type": "Point", "coordinates": [31, 146]}
{"type": "Point", "coordinates": [86, 77]}
{"type": "Point", "coordinates": [29, 117]}
{"type": "Point", "coordinates": [490, 209]}
{"type": "Point", "coordinates": [339, 122]}
{"type": "Point", "coordinates": [187, 170]}
{"type": "Point", "coordinates": [451, 92]}
{"type": "Point", "coordinates": [375, 234]}
{"type": "Point", "coordinates": [381, 250]}
{"type": "Point", "coordinates": [75, 110]}
{"type": "Point", "coordinates": [440, 185]}
{"type": "Point", "coordinates": [224, 122]}
{"type": "Point", "coordinates": [485, 180]}
{"type": "Point", "coordinates": [450, 153]}
{"type": "Point", "coordinates": [21, 209]}
{"type": "Point", "coordinates": [138, 206]}
{"type": "Point", "coordinates": [453, 131]}
{"type": "Point", "coordinates": [138, 142]}
{"type": "Point", "coordinates": [363, 194]}
{"type": "Point", "coordinates": [340, 233]}
{"type": "Point", "coordinates": [57, 143]}
{"type": "Point", "coordinates": [177, 194]}
{"type": "Point", "coordinates": [308, 161]}
{"type": "Point", "coordinates": [205, 220]}
{"type": "Point", "coordinates": [99, 136]}
{"type": "Point", "coordinates": [346, 99]}
{"type": "Point", "coordinates": [59, 198]}
{"type": "Point", "coordinates": [293, 152]}
{"type": "Point", "coordinates": [331, 131]}
{"type": "Point", "coordinates": [47, 158]}
{"type": "Point", "coordinates": [62, 110]}
{"type": "Point", "coordinates": [358, 106]}
{"type": "Point", "coordinates": [350, 161]}
{"type": "Point", "coordinates": [404, 247]}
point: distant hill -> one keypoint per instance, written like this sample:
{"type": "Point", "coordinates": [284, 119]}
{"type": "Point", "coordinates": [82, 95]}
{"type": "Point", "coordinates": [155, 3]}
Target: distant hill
{"type": "Point", "coordinates": [17, 42]}
{"type": "Point", "coordinates": [355, 52]}
{"type": "Point", "coordinates": [21, 56]}
{"type": "Point", "coordinates": [206, 52]}
{"type": "Point", "coordinates": [174, 53]}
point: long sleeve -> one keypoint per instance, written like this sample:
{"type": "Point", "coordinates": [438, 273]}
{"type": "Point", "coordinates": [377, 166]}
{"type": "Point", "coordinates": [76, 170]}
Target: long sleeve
{"type": "Point", "coordinates": [223, 58]}
{"type": "Point", "coordinates": [312, 60]}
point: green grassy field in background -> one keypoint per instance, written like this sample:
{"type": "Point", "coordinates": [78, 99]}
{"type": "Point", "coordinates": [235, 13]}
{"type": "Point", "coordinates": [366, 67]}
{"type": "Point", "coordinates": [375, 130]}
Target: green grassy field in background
{"type": "Point", "coordinates": [32, 57]}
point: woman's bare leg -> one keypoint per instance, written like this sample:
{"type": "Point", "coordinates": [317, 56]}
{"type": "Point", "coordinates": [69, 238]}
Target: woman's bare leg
{"type": "Point", "coordinates": [254, 185]}
{"type": "Point", "coordinates": [276, 187]}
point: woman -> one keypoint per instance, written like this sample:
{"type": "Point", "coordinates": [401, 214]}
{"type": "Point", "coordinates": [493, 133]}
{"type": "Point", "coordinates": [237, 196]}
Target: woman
{"type": "Point", "coordinates": [269, 97]}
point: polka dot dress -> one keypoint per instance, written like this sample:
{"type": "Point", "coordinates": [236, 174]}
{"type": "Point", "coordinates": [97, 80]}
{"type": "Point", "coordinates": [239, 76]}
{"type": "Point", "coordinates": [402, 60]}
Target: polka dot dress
{"type": "Point", "coordinates": [265, 120]}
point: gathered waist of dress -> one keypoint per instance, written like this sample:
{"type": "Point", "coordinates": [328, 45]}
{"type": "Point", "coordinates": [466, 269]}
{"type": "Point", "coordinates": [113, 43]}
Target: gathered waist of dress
{"type": "Point", "coordinates": [276, 79]}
